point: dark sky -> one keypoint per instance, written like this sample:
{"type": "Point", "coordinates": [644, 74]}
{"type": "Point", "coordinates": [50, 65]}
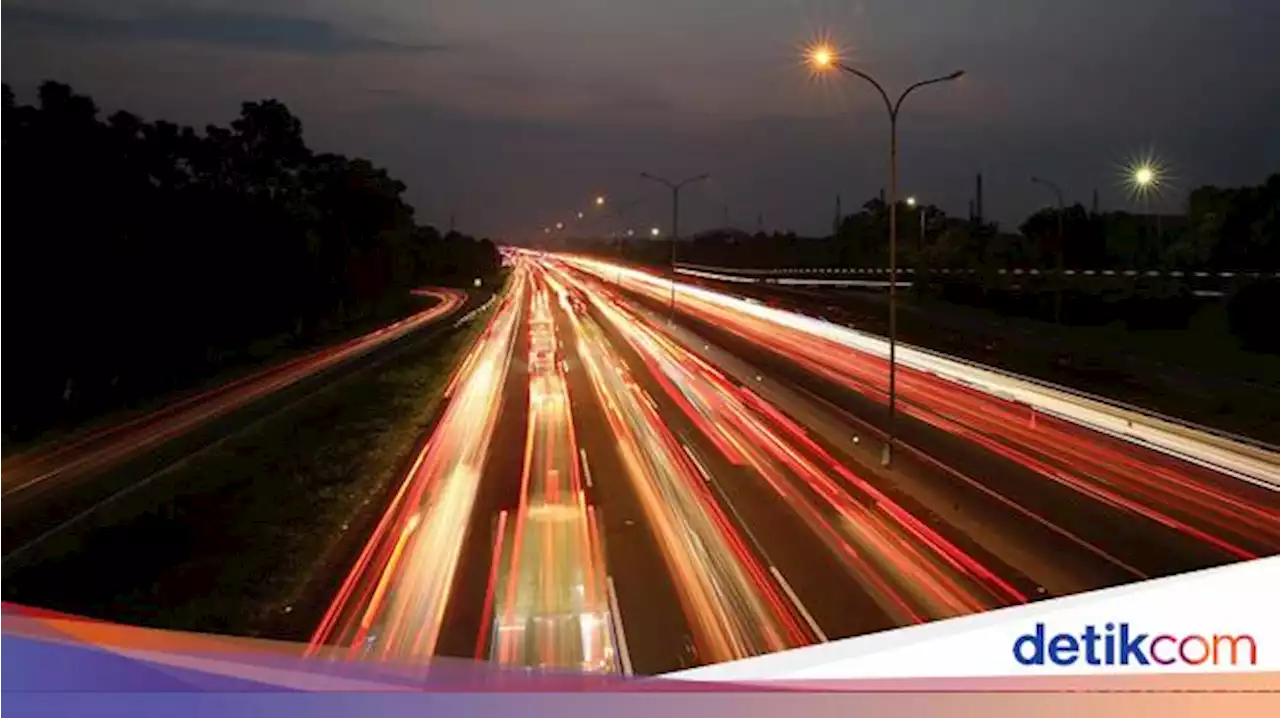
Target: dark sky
{"type": "Point", "coordinates": [513, 113]}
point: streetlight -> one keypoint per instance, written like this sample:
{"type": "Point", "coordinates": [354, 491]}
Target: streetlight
{"type": "Point", "coordinates": [655, 231]}
{"type": "Point", "coordinates": [824, 58]}
{"type": "Point", "coordinates": [1062, 241]}
{"type": "Point", "coordinates": [675, 188]}
{"type": "Point", "coordinates": [600, 201]}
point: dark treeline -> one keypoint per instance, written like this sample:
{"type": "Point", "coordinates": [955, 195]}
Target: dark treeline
{"type": "Point", "coordinates": [143, 256]}
{"type": "Point", "coordinates": [1222, 229]}
{"type": "Point", "coordinates": [1235, 229]}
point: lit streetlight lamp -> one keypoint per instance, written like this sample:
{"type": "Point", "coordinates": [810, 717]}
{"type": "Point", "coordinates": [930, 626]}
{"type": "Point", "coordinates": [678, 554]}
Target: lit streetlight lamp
{"type": "Point", "coordinates": [655, 231]}
{"type": "Point", "coordinates": [600, 201]}
{"type": "Point", "coordinates": [1144, 176]}
{"type": "Point", "coordinates": [675, 188]}
{"type": "Point", "coordinates": [1062, 240]}
{"type": "Point", "coordinates": [823, 58]}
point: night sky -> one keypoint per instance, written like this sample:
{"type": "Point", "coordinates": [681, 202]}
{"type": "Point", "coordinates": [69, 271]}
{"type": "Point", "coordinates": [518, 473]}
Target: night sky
{"type": "Point", "coordinates": [514, 113]}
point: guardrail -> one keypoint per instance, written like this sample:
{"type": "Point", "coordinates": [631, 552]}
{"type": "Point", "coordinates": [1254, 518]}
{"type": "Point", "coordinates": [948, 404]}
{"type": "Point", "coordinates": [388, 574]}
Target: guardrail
{"type": "Point", "coordinates": [790, 281]}
{"type": "Point", "coordinates": [1154, 273]}
{"type": "Point", "coordinates": [471, 315]}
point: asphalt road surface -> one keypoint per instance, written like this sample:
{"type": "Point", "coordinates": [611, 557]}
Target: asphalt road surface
{"type": "Point", "coordinates": [612, 487]}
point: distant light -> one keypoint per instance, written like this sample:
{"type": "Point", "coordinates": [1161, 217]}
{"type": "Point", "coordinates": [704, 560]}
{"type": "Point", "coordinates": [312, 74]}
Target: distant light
{"type": "Point", "coordinates": [600, 201]}
{"type": "Point", "coordinates": [546, 230]}
{"type": "Point", "coordinates": [911, 201]}
{"type": "Point", "coordinates": [559, 225]}
{"type": "Point", "coordinates": [655, 231]}
{"type": "Point", "coordinates": [631, 233]}
{"type": "Point", "coordinates": [1144, 176]}
{"type": "Point", "coordinates": [581, 215]}
{"type": "Point", "coordinates": [476, 282]}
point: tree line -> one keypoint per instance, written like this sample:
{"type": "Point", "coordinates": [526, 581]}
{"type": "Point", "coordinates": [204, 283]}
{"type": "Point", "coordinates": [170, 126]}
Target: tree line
{"type": "Point", "coordinates": [145, 255]}
{"type": "Point", "coordinates": [1223, 229]}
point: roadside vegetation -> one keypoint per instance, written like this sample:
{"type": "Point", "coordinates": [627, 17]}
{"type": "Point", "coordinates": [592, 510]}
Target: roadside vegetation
{"type": "Point", "coordinates": [253, 535]}
{"type": "Point", "coordinates": [147, 257]}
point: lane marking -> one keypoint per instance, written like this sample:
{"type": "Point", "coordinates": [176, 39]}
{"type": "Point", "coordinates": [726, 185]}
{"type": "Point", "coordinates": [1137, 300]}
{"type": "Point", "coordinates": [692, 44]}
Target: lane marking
{"type": "Point", "coordinates": [586, 468]}
{"type": "Point", "coordinates": [623, 652]}
{"type": "Point", "coordinates": [706, 475]}
{"type": "Point", "coordinates": [795, 600]}
{"type": "Point", "coordinates": [489, 614]}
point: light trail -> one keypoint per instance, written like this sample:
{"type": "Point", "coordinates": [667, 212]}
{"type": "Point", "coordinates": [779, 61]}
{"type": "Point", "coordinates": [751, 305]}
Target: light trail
{"type": "Point", "coordinates": [689, 436]}
{"type": "Point", "coordinates": [552, 601]}
{"type": "Point", "coordinates": [734, 605]}
{"type": "Point", "coordinates": [393, 602]}
{"type": "Point", "coordinates": [1174, 476]}
{"type": "Point", "coordinates": [914, 573]}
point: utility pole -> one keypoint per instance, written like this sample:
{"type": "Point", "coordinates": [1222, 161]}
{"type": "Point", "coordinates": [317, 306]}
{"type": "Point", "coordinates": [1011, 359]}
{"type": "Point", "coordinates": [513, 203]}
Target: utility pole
{"type": "Point", "coordinates": [978, 201]}
{"type": "Point", "coordinates": [1062, 240]}
{"type": "Point", "coordinates": [835, 225]}
{"type": "Point", "coordinates": [675, 188]}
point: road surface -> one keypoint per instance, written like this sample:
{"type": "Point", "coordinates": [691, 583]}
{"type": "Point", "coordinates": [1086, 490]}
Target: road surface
{"type": "Point", "coordinates": [609, 490]}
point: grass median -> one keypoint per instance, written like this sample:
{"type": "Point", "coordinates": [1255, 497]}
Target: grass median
{"type": "Point", "coordinates": [252, 535]}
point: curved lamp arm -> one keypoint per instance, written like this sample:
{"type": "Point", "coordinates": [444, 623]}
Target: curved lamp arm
{"type": "Point", "coordinates": [889, 105]}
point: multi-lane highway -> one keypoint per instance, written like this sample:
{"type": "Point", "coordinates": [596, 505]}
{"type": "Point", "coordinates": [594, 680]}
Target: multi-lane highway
{"type": "Point", "coordinates": [613, 488]}
{"type": "Point", "coordinates": [46, 488]}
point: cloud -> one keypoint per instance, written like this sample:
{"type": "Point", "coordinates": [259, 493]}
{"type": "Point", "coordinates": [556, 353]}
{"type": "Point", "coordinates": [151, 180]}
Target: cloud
{"type": "Point", "coordinates": [222, 28]}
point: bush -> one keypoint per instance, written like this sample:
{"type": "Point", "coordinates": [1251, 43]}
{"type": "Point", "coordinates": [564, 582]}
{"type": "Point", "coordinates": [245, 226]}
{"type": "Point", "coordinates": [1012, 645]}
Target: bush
{"type": "Point", "coordinates": [1251, 315]}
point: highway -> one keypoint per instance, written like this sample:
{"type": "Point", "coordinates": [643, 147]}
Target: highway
{"type": "Point", "coordinates": [612, 489]}
{"type": "Point", "coordinates": [46, 487]}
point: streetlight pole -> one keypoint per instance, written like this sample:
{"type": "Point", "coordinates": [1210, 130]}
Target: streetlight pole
{"type": "Point", "coordinates": [824, 58]}
{"type": "Point", "coordinates": [1146, 182]}
{"type": "Point", "coordinates": [1062, 241]}
{"type": "Point", "coordinates": [675, 188]}
{"type": "Point", "coordinates": [911, 202]}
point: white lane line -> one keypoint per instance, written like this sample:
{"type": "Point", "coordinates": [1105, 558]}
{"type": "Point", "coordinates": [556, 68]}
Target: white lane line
{"type": "Point", "coordinates": [586, 468]}
{"type": "Point", "coordinates": [706, 475]}
{"type": "Point", "coordinates": [795, 600]}
{"type": "Point", "coordinates": [623, 652]}
{"type": "Point", "coordinates": [746, 530]}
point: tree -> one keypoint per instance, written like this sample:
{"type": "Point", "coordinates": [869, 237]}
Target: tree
{"type": "Point", "coordinates": [149, 254]}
